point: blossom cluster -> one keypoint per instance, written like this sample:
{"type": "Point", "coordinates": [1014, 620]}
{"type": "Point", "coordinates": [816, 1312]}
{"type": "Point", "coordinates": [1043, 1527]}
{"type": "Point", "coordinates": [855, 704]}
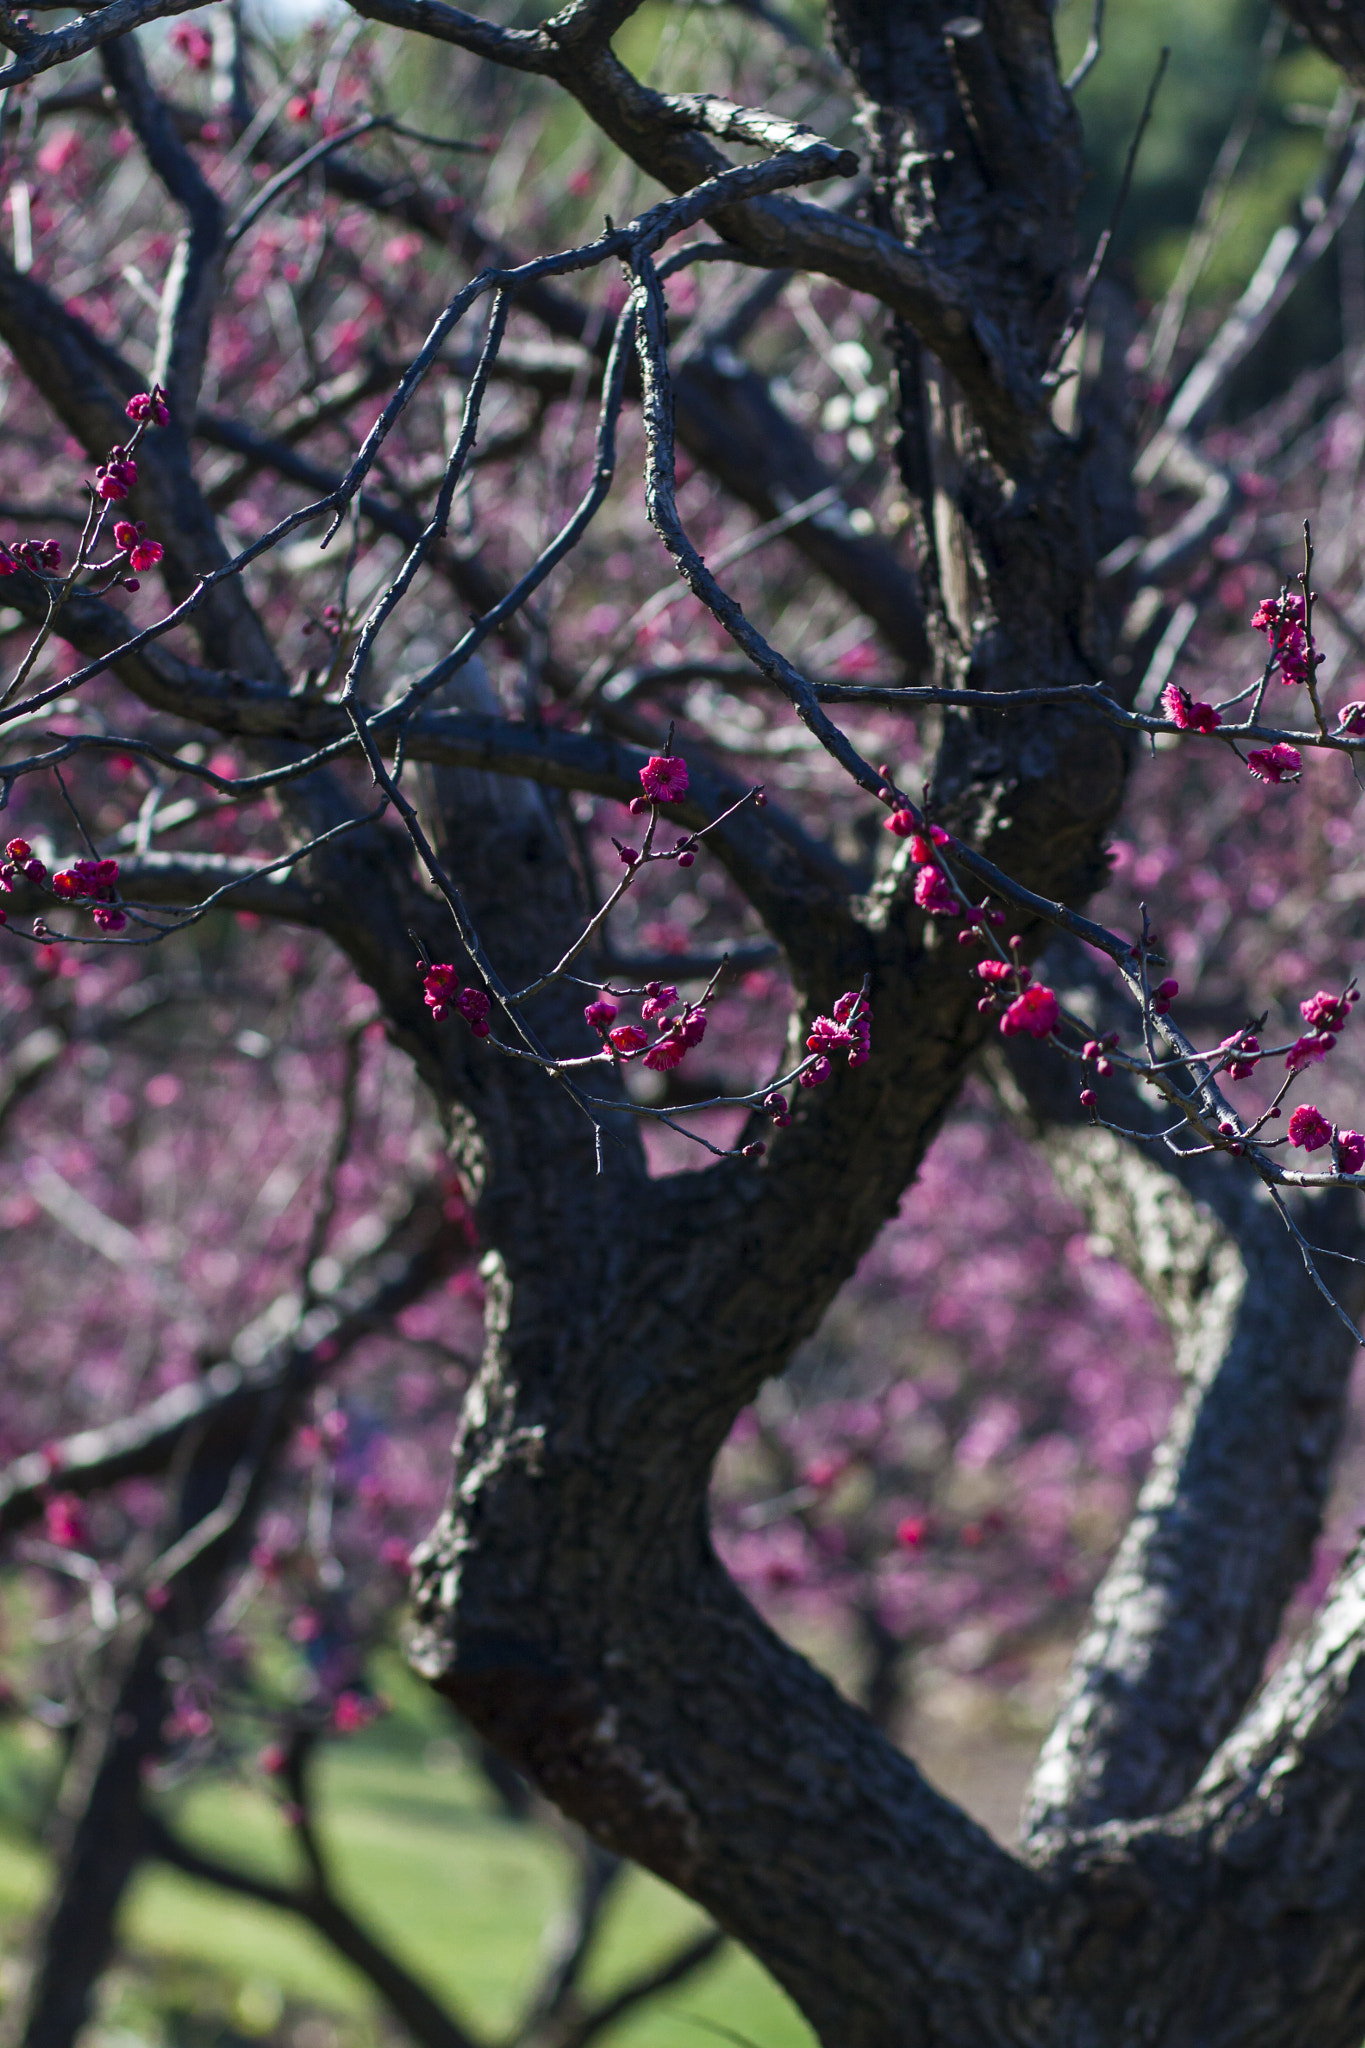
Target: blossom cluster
{"type": "Point", "coordinates": [1283, 620]}
{"type": "Point", "coordinates": [33, 555]}
{"type": "Point", "coordinates": [1280, 763]}
{"type": "Point", "coordinates": [20, 859]}
{"type": "Point", "coordinates": [148, 408]}
{"type": "Point", "coordinates": [94, 882]}
{"type": "Point", "coordinates": [1309, 1128]}
{"type": "Point", "coordinates": [85, 881]}
{"type": "Point", "coordinates": [1034, 1010]}
{"type": "Point", "coordinates": [1245, 1048]}
{"type": "Point", "coordinates": [676, 1040]}
{"type": "Point", "coordinates": [932, 890]}
{"type": "Point", "coordinates": [664, 780]}
{"type": "Point", "coordinates": [1187, 715]}
{"type": "Point", "coordinates": [442, 993]}
{"type": "Point", "coordinates": [131, 539]}
{"type": "Point", "coordinates": [848, 1029]}
{"type": "Point", "coordinates": [115, 478]}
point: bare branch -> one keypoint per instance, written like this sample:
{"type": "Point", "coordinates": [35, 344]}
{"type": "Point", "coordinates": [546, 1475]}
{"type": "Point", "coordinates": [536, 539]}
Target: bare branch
{"type": "Point", "coordinates": [192, 281]}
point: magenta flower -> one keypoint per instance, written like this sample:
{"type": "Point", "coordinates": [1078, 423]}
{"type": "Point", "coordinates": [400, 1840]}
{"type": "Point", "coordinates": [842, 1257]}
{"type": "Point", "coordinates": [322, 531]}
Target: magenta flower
{"type": "Point", "coordinates": [901, 823]}
{"type": "Point", "coordinates": [1309, 1127]}
{"type": "Point", "coordinates": [1275, 764]}
{"type": "Point", "coordinates": [441, 985]}
{"type": "Point", "coordinates": [116, 477]}
{"type": "Point", "coordinates": [1036, 1012]}
{"type": "Point", "coordinates": [87, 881]}
{"type": "Point", "coordinates": [1326, 1012]}
{"type": "Point", "coordinates": [65, 1522]}
{"type": "Point", "coordinates": [922, 847]}
{"type": "Point", "coordinates": [1351, 1150]}
{"type": "Point", "coordinates": [664, 778]}
{"type": "Point", "coordinates": [40, 554]}
{"type": "Point", "coordinates": [659, 996]}
{"type": "Point", "coordinates": [1247, 1052]}
{"type": "Point", "coordinates": [628, 1038]}
{"type": "Point", "coordinates": [601, 1012]}
{"type": "Point", "coordinates": [142, 553]}
{"type": "Point", "coordinates": [933, 894]}
{"type": "Point", "coordinates": [1306, 1052]}
{"type": "Point", "coordinates": [474, 1006]}
{"type": "Point", "coordinates": [1185, 713]}
{"type": "Point", "coordinates": [849, 1029]}
{"type": "Point", "coordinates": [816, 1074]}
{"type": "Point", "coordinates": [1284, 621]}
{"type": "Point", "coordinates": [148, 407]}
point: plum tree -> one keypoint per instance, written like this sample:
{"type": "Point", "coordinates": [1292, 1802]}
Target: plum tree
{"type": "Point", "coordinates": [363, 630]}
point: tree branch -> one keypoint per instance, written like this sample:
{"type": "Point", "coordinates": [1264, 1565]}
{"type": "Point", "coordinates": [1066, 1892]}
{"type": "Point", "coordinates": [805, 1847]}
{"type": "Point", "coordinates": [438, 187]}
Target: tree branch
{"type": "Point", "coordinates": [192, 282]}
{"type": "Point", "coordinates": [317, 1905]}
{"type": "Point", "coordinates": [1227, 1518]}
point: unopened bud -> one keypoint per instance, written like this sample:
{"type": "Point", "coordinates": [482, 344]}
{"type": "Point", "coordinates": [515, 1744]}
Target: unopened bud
{"type": "Point", "coordinates": [1087, 1098]}
{"type": "Point", "coordinates": [754, 1151]}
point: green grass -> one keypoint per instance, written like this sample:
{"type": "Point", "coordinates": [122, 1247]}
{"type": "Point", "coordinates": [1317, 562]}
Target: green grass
{"type": "Point", "coordinates": [459, 1893]}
